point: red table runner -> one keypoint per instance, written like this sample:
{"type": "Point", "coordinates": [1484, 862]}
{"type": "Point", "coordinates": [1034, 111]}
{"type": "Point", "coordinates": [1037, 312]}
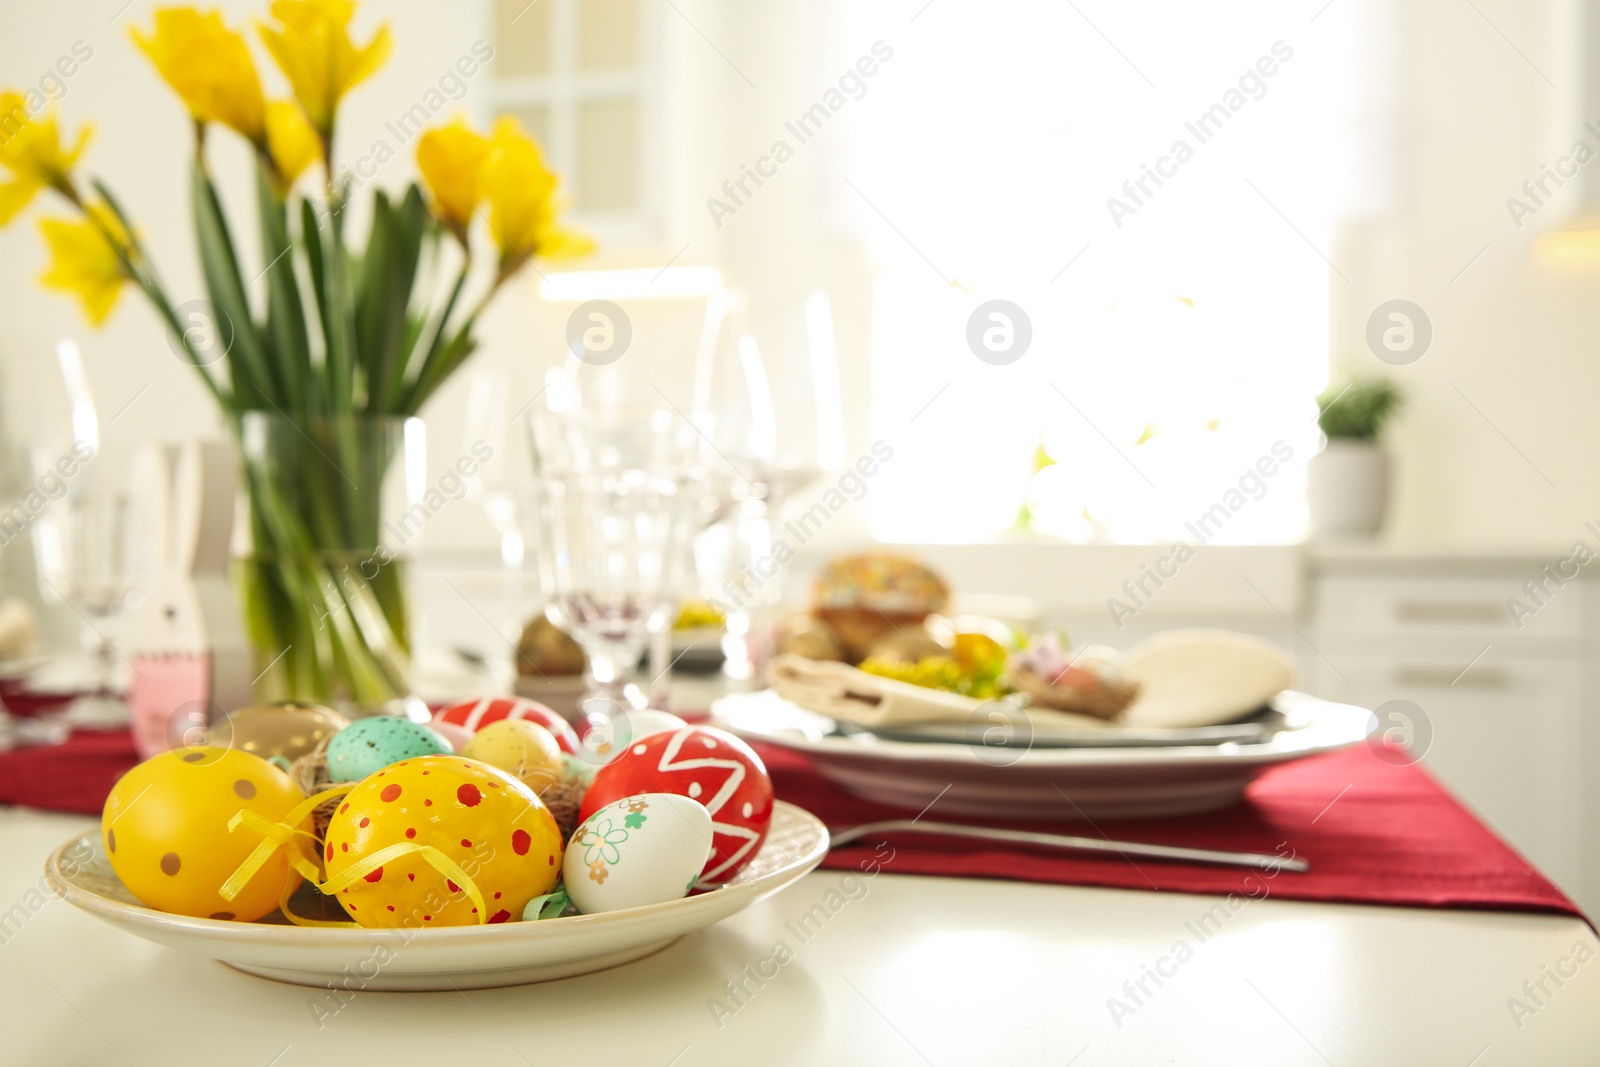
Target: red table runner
{"type": "Point", "coordinates": [1374, 832]}
{"type": "Point", "coordinates": [76, 776]}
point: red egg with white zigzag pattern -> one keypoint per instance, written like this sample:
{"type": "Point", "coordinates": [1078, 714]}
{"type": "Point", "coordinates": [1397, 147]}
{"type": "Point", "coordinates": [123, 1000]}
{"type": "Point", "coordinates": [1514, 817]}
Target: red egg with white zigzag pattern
{"type": "Point", "coordinates": [704, 764]}
{"type": "Point", "coordinates": [474, 715]}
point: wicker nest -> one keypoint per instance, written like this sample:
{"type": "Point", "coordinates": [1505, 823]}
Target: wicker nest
{"type": "Point", "coordinates": [562, 796]}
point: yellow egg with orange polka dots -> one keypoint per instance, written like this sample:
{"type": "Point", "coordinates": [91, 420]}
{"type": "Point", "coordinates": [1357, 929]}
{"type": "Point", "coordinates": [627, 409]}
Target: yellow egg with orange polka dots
{"type": "Point", "coordinates": [401, 837]}
{"type": "Point", "coordinates": [165, 828]}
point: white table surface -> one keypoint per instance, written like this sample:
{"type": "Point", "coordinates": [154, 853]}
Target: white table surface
{"type": "Point", "coordinates": [913, 971]}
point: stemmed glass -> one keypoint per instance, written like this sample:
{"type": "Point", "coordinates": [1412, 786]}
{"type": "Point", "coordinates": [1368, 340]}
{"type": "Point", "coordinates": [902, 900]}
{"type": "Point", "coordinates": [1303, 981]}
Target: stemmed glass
{"type": "Point", "coordinates": [614, 487]}
{"type": "Point", "coordinates": [52, 434]}
{"type": "Point", "coordinates": [93, 552]}
{"type": "Point", "coordinates": [769, 405]}
{"type": "Point", "coordinates": [501, 491]}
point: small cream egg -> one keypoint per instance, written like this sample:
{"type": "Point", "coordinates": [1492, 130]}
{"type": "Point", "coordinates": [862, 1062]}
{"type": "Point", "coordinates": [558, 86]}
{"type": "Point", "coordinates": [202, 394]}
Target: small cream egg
{"type": "Point", "coordinates": [640, 850]}
{"type": "Point", "coordinates": [637, 724]}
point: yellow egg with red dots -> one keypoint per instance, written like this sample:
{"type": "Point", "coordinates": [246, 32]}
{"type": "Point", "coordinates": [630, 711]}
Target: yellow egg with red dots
{"type": "Point", "coordinates": [494, 828]}
{"type": "Point", "coordinates": [165, 829]}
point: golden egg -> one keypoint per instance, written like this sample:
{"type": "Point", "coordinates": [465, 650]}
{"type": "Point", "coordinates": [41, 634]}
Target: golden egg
{"type": "Point", "coordinates": [287, 729]}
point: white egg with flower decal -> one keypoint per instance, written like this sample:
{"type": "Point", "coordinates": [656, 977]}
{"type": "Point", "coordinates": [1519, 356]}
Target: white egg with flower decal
{"type": "Point", "coordinates": [640, 850]}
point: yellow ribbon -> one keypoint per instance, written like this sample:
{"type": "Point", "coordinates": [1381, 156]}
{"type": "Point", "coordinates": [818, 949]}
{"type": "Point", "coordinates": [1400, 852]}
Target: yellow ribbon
{"type": "Point", "coordinates": [276, 835]}
{"type": "Point", "coordinates": [432, 856]}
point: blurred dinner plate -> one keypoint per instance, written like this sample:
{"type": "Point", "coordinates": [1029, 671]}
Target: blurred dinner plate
{"type": "Point", "coordinates": [20, 666]}
{"type": "Point", "coordinates": [996, 770]}
{"type": "Point", "coordinates": [1255, 729]}
{"type": "Point", "coordinates": [452, 958]}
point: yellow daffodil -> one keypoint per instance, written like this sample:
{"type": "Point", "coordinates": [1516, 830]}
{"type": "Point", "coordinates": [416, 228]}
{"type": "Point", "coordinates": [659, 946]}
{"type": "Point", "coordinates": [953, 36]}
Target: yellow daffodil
{"type": "Point", "coordinates": [209, 67]}
{"type": "Point", "coordinates": [294, 144]}
{"type": "Point", "coordinates": [523, 205]}
{"type": "Point", "coordinates": [31, 149]}
{"type": "Point", "coordinates": [84, 263]}
{"type": "Point", "coordinates": [311, 45]}
{"type": "Point", "coordinates": [450, 159]}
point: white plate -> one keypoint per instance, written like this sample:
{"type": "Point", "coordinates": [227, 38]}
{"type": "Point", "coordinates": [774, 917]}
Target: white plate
{"type": "Point", "coordinates": [21, 665]}
{"type": "Point", "coordinates": [1251, 731]}
{"type": "Point", "coordinates": [1010, 779]}
{"type": "Point", "coordinates": [462, 957]}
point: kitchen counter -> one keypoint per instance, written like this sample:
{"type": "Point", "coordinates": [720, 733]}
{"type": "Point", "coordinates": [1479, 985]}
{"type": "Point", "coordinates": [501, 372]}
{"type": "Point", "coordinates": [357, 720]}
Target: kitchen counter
{"type": "Point", "coordinates": [909, 970]}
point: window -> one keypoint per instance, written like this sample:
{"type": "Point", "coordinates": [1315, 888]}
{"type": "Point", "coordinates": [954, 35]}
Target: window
{"type": "Point", "coordinates": [1155, 186]}
{"type": "Point", "coordinates": [577, 74]}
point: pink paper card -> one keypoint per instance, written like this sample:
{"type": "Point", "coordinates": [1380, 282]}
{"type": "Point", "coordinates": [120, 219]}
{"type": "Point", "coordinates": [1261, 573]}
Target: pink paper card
{"type": "Point", "coordinates": [165, 686]}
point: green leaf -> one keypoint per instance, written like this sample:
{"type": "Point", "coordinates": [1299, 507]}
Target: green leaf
{"type": "Point", "coordinates": [425, 380]}
{"type": "Point", "coordinates": [370, 293]}
{"type": "Point", "coordinates": [1359, 410]}
{"type": "Point", "coordinates": [311, 239]}
{"type": "Point", "coordinates": [147, 281]}
{"type": "Point", "coordinates": [338, 318]}
{"type": "Point", "coordinates": [286, 322]}
{"type": "Point", "coordinates": [383, 295]}
{"type": "Point", "coordinates": [414, 224]}
{"type": "Point", "coordinates": [441, 365]}
{"type": "Point", "coordinates": [254, 384]}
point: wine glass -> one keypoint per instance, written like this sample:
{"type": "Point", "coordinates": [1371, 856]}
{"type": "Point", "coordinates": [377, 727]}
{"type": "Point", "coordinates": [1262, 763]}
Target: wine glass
{"type": "Point", "coordinates": [93, 551]}
{"type": "Point", "coordinates": [770, 395]}
{"type": "Point", "coordinates": [614, 487]}
{"type": "Point", "coordinates": [772, 414]}
{"type": "Point", "coordinates": [500, 489]}
{"type": "Point", "coordinates": [51, 432]}
{"type": "Point", "coordinates": [642, 338]}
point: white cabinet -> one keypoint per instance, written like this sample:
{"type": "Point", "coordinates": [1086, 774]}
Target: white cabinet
{"type": "Point", "coordinates": [1507, 742]}
{"type": "Point", "coordinates": [1501, 718]}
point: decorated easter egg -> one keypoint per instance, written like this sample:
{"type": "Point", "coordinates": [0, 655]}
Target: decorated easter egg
{"type": "Point", "coordinates": [458, 736]}
{"type": "Point", "coordinates": [368, 745]}
{"type": "Point", "coordinates": [464, 825]}
{"type": "Point", "coordinates": [704, 764]}
{"type": "Point", "coordinates": [165, 828]}
{"type": "Point", "coordinates": [287, 729]}
{"type": "Point", "coordinates": [474, 715]}
{"type": "Point", "coordinates": [644, 849]}
{"type": "Point", "coordinates": [520, 747]}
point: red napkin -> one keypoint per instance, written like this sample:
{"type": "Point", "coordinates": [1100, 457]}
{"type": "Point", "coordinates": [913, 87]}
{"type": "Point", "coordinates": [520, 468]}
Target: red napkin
{"type": "Point", "coordinates": [75, 776]}
{"type": "Point", "coordinates": [1374, 833]}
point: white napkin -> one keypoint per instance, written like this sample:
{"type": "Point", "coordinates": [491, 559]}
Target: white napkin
{"type": "Point", "coordinates": [1204, 677]}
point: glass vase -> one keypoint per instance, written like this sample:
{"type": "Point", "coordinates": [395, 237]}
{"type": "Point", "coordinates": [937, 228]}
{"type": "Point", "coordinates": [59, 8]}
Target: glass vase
{"type": "Point", "coordinates": [333, 507]}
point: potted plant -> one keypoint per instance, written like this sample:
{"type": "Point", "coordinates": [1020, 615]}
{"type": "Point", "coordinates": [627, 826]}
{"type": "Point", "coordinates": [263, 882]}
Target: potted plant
{"type": "Point", "coordinates": [322, 359]}
{"type": "Point", "coordinates": [1347, 484]}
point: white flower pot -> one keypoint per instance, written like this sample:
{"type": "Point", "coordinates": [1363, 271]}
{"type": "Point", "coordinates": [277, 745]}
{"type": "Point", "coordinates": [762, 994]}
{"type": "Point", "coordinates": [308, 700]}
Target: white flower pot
{"type": "Point", "coordinates": [1347, 488]}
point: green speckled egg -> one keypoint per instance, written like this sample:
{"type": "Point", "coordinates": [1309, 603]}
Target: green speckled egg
{"type": "Point", "coordinates": [367, 746]}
